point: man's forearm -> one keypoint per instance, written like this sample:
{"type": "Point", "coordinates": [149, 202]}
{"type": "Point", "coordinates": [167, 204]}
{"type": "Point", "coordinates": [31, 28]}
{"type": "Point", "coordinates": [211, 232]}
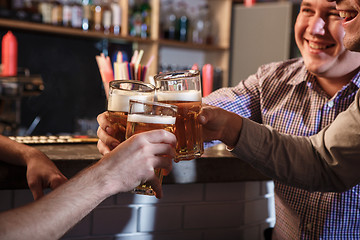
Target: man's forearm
{"type": "Point", "coordinates": [54, 214]}
{"type": "Point", "coordinates": [327, 161]}
{"type": "Point", "coordinates": [14, 152]}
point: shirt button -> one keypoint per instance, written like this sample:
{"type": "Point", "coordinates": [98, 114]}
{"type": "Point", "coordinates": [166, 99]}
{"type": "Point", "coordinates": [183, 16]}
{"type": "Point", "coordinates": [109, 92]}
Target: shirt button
{"type": "Point", "coordinates": [309, 226]}
{"type": "Point", "coordinates": [330, 104]}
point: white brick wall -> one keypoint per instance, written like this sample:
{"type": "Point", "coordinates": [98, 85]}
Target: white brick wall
{"type": "Point", "coordinates": [212, 211]}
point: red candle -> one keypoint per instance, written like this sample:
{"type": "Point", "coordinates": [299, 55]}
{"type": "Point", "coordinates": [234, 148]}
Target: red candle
{"type": "Point", "coordinates": [9, 54]}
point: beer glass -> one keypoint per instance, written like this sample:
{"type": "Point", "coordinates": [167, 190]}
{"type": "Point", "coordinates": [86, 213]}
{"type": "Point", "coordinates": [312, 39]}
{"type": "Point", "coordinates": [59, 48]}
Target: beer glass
{"type": "Point", "coordinates": [183, 89]}
{"type": "Point", "coordinates": [120, 92]}
{"type": "Point", "coordinates": [145, 116]}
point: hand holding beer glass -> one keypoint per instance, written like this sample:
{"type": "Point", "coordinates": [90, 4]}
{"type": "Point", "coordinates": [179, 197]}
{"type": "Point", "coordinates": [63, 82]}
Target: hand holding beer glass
{"type": "Point", "coordinates": [120, 92]}
{"type": "Point", "coordinates": [183, 89]}
{"type": "Point", "coordinates": [145, 116]}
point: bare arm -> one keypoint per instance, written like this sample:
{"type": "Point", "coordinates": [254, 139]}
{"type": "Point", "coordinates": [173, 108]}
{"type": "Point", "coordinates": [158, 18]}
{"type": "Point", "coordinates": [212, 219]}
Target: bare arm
{"type": "Point", "coordinates": [41, 171]}
{"type": "Point", "coordinates": [130, 164]}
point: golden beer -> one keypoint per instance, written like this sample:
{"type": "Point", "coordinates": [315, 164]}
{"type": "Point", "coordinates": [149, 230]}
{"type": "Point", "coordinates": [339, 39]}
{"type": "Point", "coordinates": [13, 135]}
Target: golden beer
{"type": "Point", "coordinates": [188, 130]}
{"type": "Point", "coordinates": [138, 123]}
{"type": "Point", "coordinates": [120, 93]}
{"type": "Point", "coordinates": [145, 116]}
{"type": "Point", "coordinates": [183, 89]}
{"type": "Point", "coordinates": [118, 123]}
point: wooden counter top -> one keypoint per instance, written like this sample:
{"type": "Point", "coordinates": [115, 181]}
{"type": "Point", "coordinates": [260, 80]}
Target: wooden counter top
{"type": "Point", "coordinates": [216, 165]}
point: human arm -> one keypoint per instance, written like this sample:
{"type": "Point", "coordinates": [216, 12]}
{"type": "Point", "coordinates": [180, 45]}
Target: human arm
{"type": "Point", "coordinates": [41, 172]}
{"type": "Point", "coordinates": [328, 161]}
{"type": "Point", "coordinates": [124, 168]}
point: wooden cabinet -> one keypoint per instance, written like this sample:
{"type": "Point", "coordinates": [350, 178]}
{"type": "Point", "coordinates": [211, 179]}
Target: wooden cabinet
{"type": "Point", "coordinates": [218, 55]}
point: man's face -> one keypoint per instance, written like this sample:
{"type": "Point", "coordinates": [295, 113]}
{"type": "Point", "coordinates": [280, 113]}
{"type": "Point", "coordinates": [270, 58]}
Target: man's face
{"type": "Point", "coordinates": [349, 9]}
{"type": "Point", "coordinates": [319, 35]}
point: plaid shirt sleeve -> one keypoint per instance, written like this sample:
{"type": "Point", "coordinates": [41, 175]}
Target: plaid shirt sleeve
{"type": "Point", "coordinates": [243, 99]}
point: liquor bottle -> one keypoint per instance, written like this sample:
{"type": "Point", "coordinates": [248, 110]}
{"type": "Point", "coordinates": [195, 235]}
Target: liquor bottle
{"type": "Point", "coordinates": [5, 9]}
{"type": "Point", "coordinates": [169, 25]}
{"type": "Point", "coordinates": [45, 8]}
{"type": "Point", "coordinates": [135, 18]}
{"type": "Point", "coordinates": [31, 11]}
{"type": "Point", "coordinates": [202, 29]}
{"type": "Point", "coordinates": [182, 22]}
{"type": "Point", "coordinates": [106, 16]}
{"type": "Point", "coordinates": [87, 18]}
{"type": "Point", "coordinates": [66, 16]}
{"type": "Point", "coordinates": [56, 13]}
{"type": "Point", "coordinates": [145, 9]}
{"type": "Point", "coordinates": [76, 14]}
{"type": "Point", "coordinates": [116, 17]}
{"type": "Point", "coordinates": [97, 15]}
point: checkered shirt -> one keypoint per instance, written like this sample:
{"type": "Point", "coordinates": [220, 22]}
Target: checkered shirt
{"type": "Point", "coordinates": [287, 97]}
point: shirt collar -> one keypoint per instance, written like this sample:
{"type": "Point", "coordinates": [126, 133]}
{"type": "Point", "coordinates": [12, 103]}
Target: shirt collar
{"type": "Point", "coordinates": [356, 80]}
{"type": "Point", "coordinates": [305, 76]}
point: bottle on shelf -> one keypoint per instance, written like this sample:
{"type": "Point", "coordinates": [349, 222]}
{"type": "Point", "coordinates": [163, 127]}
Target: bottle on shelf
{"type": "Point", "coordinates": [30, 11]}
{"type": "Point", "coordinates": [76, 14]}
{"type": "Point", "coordinates": [213, 28]}
{"type": "Point", "coordinates": [106, 16]}
{"type": "Point", "coordinates": [169, 21]}
{"type": "Point", "coordinates": [116, 17]}
{"type": "Point", "coordinates": [45, 9]}
{"type": "Point", "coordinates": [202, 30]}
{"type": "Point", "coordinates": [135, 19]}
{"type": "Point", "coordinates": [87, 17]}
{"type": "Point", "coordinates": [66, 14]}
{"type": "Point", "coordinates": [145, 9]}
{"type": "Point", "coordinates": [97, 15]}
{"type": "Point", "coordinates": [182, 22]}
{"type": "Point", "coordinates": [56, 13]}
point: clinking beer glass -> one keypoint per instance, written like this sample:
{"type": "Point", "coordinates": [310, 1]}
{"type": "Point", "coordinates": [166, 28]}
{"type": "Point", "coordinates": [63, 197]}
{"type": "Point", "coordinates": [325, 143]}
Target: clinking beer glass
{"type": "Point", "coordinates": [183, 89]}
{"type": "Point", "coordinates": [145, 116]}
{"type": "Point", "coordinates": [120, 92]}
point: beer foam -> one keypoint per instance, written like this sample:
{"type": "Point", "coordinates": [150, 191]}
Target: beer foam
{"type": "Point", "coordinates": [184, 96]}
{"type": "Point", "coordinates": [154, 119]}
{"type": "Point", "coordinates": [119, 100]}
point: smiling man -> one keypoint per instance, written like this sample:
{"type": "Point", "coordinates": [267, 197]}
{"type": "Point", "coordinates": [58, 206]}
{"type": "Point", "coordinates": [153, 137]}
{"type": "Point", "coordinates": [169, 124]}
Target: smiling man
{"type": "Point", "coordinates": [349, 9]}
{"type": "Point", "coordinates": [300, 97]}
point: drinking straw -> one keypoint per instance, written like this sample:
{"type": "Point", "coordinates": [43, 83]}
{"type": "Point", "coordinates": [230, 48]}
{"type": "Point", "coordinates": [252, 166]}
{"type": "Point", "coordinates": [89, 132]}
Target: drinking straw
{"type": "Point", "coordinates": [134, 57]}
{"type": "Point", "coordinates": [119, 57]}
{"type": "Point", "coordinates": [144, 70]}
{"type": "Point", "coordinates": [195, 67]}
{"type": "Point", "coordinates": [137, 63]}
{"type": "Point", "coordinates": [106, 71]}
{"type": "Point", "coordinates": [146, 67]}
{"type": "Point", "coordinates": [117, 70]}
{"type": "Point", "coordinates": [150, 61]}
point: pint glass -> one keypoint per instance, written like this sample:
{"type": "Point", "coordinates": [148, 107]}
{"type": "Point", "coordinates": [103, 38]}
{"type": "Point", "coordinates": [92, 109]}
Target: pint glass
{"type": "Point", "coordinates": [183, 89]}
{"type": "Point", "coordinates": [145, 116]}
{"type": "Point", "coordinates": [120, 92]}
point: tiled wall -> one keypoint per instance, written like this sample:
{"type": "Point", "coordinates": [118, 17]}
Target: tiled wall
{"type": "Point", "coordinates": [213, 211]}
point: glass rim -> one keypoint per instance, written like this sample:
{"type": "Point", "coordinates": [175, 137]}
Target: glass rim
{"type": "Point", "coordinates": [176, 75]}
{"type": "Point", "coordinates": [136, 82]}
{"type": "Point", "coordinates": [153, 103]}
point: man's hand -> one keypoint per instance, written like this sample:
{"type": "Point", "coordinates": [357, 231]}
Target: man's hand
{"type": "Point", "coordinates": [105, 133]}
{"type": "Point", "coordinates": [42, 173]}
{"type": "Point", "coordinates": [134, 161]}
{"type": "Point", "coordinates": [219, 124]}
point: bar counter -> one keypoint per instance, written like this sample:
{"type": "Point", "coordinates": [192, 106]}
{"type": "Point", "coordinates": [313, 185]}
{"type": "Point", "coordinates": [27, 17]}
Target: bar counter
{"type": "Point", "coordinates": [216, 165]}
